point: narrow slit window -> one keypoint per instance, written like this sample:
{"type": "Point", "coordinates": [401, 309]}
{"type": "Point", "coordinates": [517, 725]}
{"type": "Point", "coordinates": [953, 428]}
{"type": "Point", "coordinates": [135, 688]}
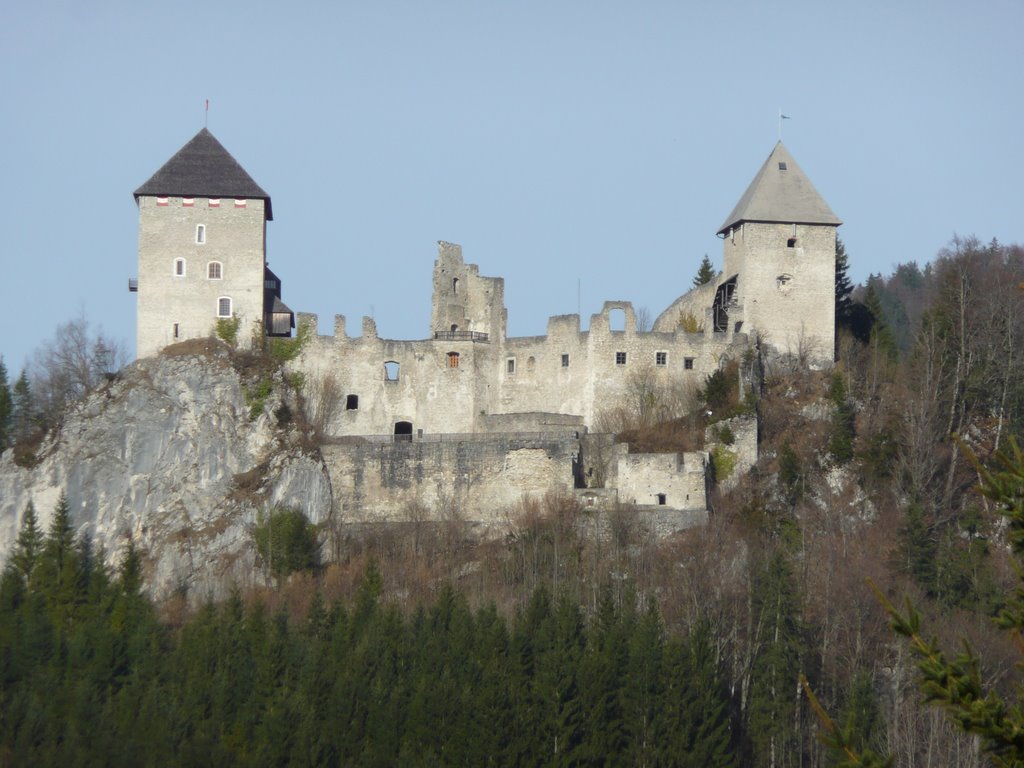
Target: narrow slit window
{"type": "Point", "coordinates": [179, 267]}
{"type": "Point", "coordinates": [200, 234]}
{"type": "Point", "coordinates": [175, 330]}
{"type": "Point", "coordinates": [565, 361]}
{"type": "Point", "coordinates": [510, 365]}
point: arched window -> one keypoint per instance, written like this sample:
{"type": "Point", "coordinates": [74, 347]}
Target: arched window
{"type": "Point", "coordinates": [213, 270]}
{"type": "Point", "coordinates": [179, 267]}
{"type": "Point", "coordinates": [224, 306]}
{"type": "Point", "coordinates": [453, 359]}
{"type": "Point", "coordinates": [455, 285]}
{"type": "Point", "coordinates": [617, 319]}
{"type": "Point", "coordinates": [200, 233]}
{"type": "Point", "coordinates": [391, 369]}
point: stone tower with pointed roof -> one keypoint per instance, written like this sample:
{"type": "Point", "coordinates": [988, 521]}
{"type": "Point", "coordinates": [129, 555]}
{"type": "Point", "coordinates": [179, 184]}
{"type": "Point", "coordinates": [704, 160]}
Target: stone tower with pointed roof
{"type": "Point", "coordinates": [779, 264]}
{"type": "Point", "coordinates": [202, 250]}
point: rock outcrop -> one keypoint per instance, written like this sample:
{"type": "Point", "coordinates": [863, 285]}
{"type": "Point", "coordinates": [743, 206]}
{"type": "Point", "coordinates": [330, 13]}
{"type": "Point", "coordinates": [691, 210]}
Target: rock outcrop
{"type": "Point", "coordinates": [180, 453]}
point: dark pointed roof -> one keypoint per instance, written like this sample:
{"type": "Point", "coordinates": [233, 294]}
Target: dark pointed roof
{"type": "Point", "coordinates": [781, 193]}
{"type": "Point", "coordinates": [203, 168]}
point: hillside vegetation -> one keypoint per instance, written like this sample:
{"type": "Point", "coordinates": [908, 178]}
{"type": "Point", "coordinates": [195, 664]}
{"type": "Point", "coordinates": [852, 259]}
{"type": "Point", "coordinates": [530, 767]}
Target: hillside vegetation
{"type": "Point", "coordinates": [419, 645]}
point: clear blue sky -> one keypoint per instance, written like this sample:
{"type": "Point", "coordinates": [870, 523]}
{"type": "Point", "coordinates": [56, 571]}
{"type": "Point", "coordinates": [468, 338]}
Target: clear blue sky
{"type": "Point", "coordinates": [556, 141]}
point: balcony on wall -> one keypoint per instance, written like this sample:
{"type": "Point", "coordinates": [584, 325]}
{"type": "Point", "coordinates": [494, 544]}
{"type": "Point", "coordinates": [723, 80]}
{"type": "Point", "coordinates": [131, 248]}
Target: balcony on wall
{"type": "Point", "coordinates": [459, 336]}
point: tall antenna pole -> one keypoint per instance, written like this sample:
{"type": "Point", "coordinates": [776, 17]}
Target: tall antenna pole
{"type": "Point", "coordinates": [206, 115]}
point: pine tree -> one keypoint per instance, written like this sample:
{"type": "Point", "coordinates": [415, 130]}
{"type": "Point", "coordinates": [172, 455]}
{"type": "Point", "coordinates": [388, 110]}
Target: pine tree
{"type": "Point", "coordinates": [6, 409]}
{"type": "Point", "coordinates": [844, 286]}
{"type": "Point", "coordinates": [881, 337]}
{"type": "Point", "coordinates": [705, 274]}
{"type": "Point", "coordinates": [23, 415]}
{"type": "Point", "coordinates": [29, 546]}
{"type": "Point", "coordinates": [776, 669]}
{"type": "Point", "coordinates": [840, 441]}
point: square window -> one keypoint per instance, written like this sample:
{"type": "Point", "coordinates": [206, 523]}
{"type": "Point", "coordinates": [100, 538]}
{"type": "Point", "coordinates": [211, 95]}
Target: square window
{"type": "Point", "coordinates": [661, 358]}
{"type": "Point", "coordinates": [213, 270]}
{"type": "Point", "coordinates": [688, 363]}
{"type": "Point", "coordinates": [510, 365]}
{"type": "Point", "coordinates": [620, 358]}
{"type": "Point", "coordinates": [565, 361]}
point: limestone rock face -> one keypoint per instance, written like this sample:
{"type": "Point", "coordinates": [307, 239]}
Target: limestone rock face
{"type": "Point", "coordinates": [168, 454]}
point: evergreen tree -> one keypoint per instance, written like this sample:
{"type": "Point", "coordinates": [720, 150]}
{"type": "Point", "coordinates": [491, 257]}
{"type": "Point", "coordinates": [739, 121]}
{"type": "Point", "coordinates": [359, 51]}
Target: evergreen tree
{"type": "Point", "coordinates": [28, 548]}
{"type": "Point", "coordinates": [776, 669]}
{"type": "Point", "coordinates": [881, 336]}
{"type": "Point", "coordinates": [840, 441]}
{"type": "Point", "coordinates": [23, 416]}
{"type": "Point", "coordinates": [6, 409]}
{"type": "Point", "coordinates": [692, 726]}
{"type": "Point", "coordinates": [844, 286]}
{"type": "Point", "coordinates": [705, 274]}
{"type": "Point", "coordinates": [791, 473]}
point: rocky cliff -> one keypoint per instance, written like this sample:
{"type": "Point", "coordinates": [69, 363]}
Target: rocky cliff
{"type": "Point", "coordinates": [180, 453]}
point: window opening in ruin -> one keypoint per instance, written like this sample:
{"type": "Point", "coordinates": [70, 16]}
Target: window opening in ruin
{"type": "Point", "coordinates": [661, 358]}
{"type": "Point", "coordinates": [455, 285]}
{"type": "Point", "coordinates": [179, 267]}
{"type": "Point", "coordinates": [224, 307]}
{"type": "Point", "coordinates": [565, 361]}
{"type": "Point", "coordinates": [723, 300]}
{"type": "Point", "coordinates": [175, 330]}
{"type": "Point", "coordinates": [688, 363]}
{"type": "Point", "coordinates": [661, 499]}
{"type": "Point", "coordinates": [620, 358]}
{"type": "Point", "coordinates": [453, 359]}
{"type": "Point", "coordinates": [403, 431]}
{"type": "Point", "coordinates": [510, 365]}
{"type": "Point", "coordinates": [213, 270]}
{"type": "Point", "coordinates": [617, 319]}
{"type": "Point", "coordinates": [530, 363]}
{"type": "Point", "coordinates": [791, 243]}
{"type": "Point", "coordinates": [739, 325]}
{"type": "Point", "coordinates": [782, 166]}
{"type": "Point", "coordinates": [391, 370]}
{"type": "Point", "coordinates": [200, 233]}
{"type": "Point", "coordinates": [454, 327]}
{"type": "Point", "coordinates": [352, 402]}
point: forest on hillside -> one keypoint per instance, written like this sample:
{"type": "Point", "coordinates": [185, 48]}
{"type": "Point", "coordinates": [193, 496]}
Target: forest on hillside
{"type": "Point", "coordinates": [420, 645]}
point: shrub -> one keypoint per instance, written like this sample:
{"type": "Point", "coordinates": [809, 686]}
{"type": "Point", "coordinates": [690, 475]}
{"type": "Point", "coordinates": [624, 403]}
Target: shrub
{"type": "Point", "coordinates": [286, 542]}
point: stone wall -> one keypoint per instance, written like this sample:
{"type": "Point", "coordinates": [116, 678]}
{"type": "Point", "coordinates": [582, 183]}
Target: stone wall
{"type": "Point", "coordinates": [480, 480]}
{"type": "Point", "coordinates": [787, 293]}
{"type": "Point", "coordinates": [672, 480]}
{"type": "Point", "coordinates": [232, 236]}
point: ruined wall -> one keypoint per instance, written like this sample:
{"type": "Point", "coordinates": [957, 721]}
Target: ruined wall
{"type": "Point", "coordinates": [476, 480]}
{"type": "Point", "coordinates": [672, 480]}
{"type": "Point", "coordinates": [233, 236]}
{"type": "Point", "coordinates": [463, 302]}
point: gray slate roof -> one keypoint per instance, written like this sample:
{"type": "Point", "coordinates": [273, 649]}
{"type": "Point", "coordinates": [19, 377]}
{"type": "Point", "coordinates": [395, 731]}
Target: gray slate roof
{"type": "Point", "coordinates": [782, 196]}
{"type": "Point", "coordinates": [203, 168]}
